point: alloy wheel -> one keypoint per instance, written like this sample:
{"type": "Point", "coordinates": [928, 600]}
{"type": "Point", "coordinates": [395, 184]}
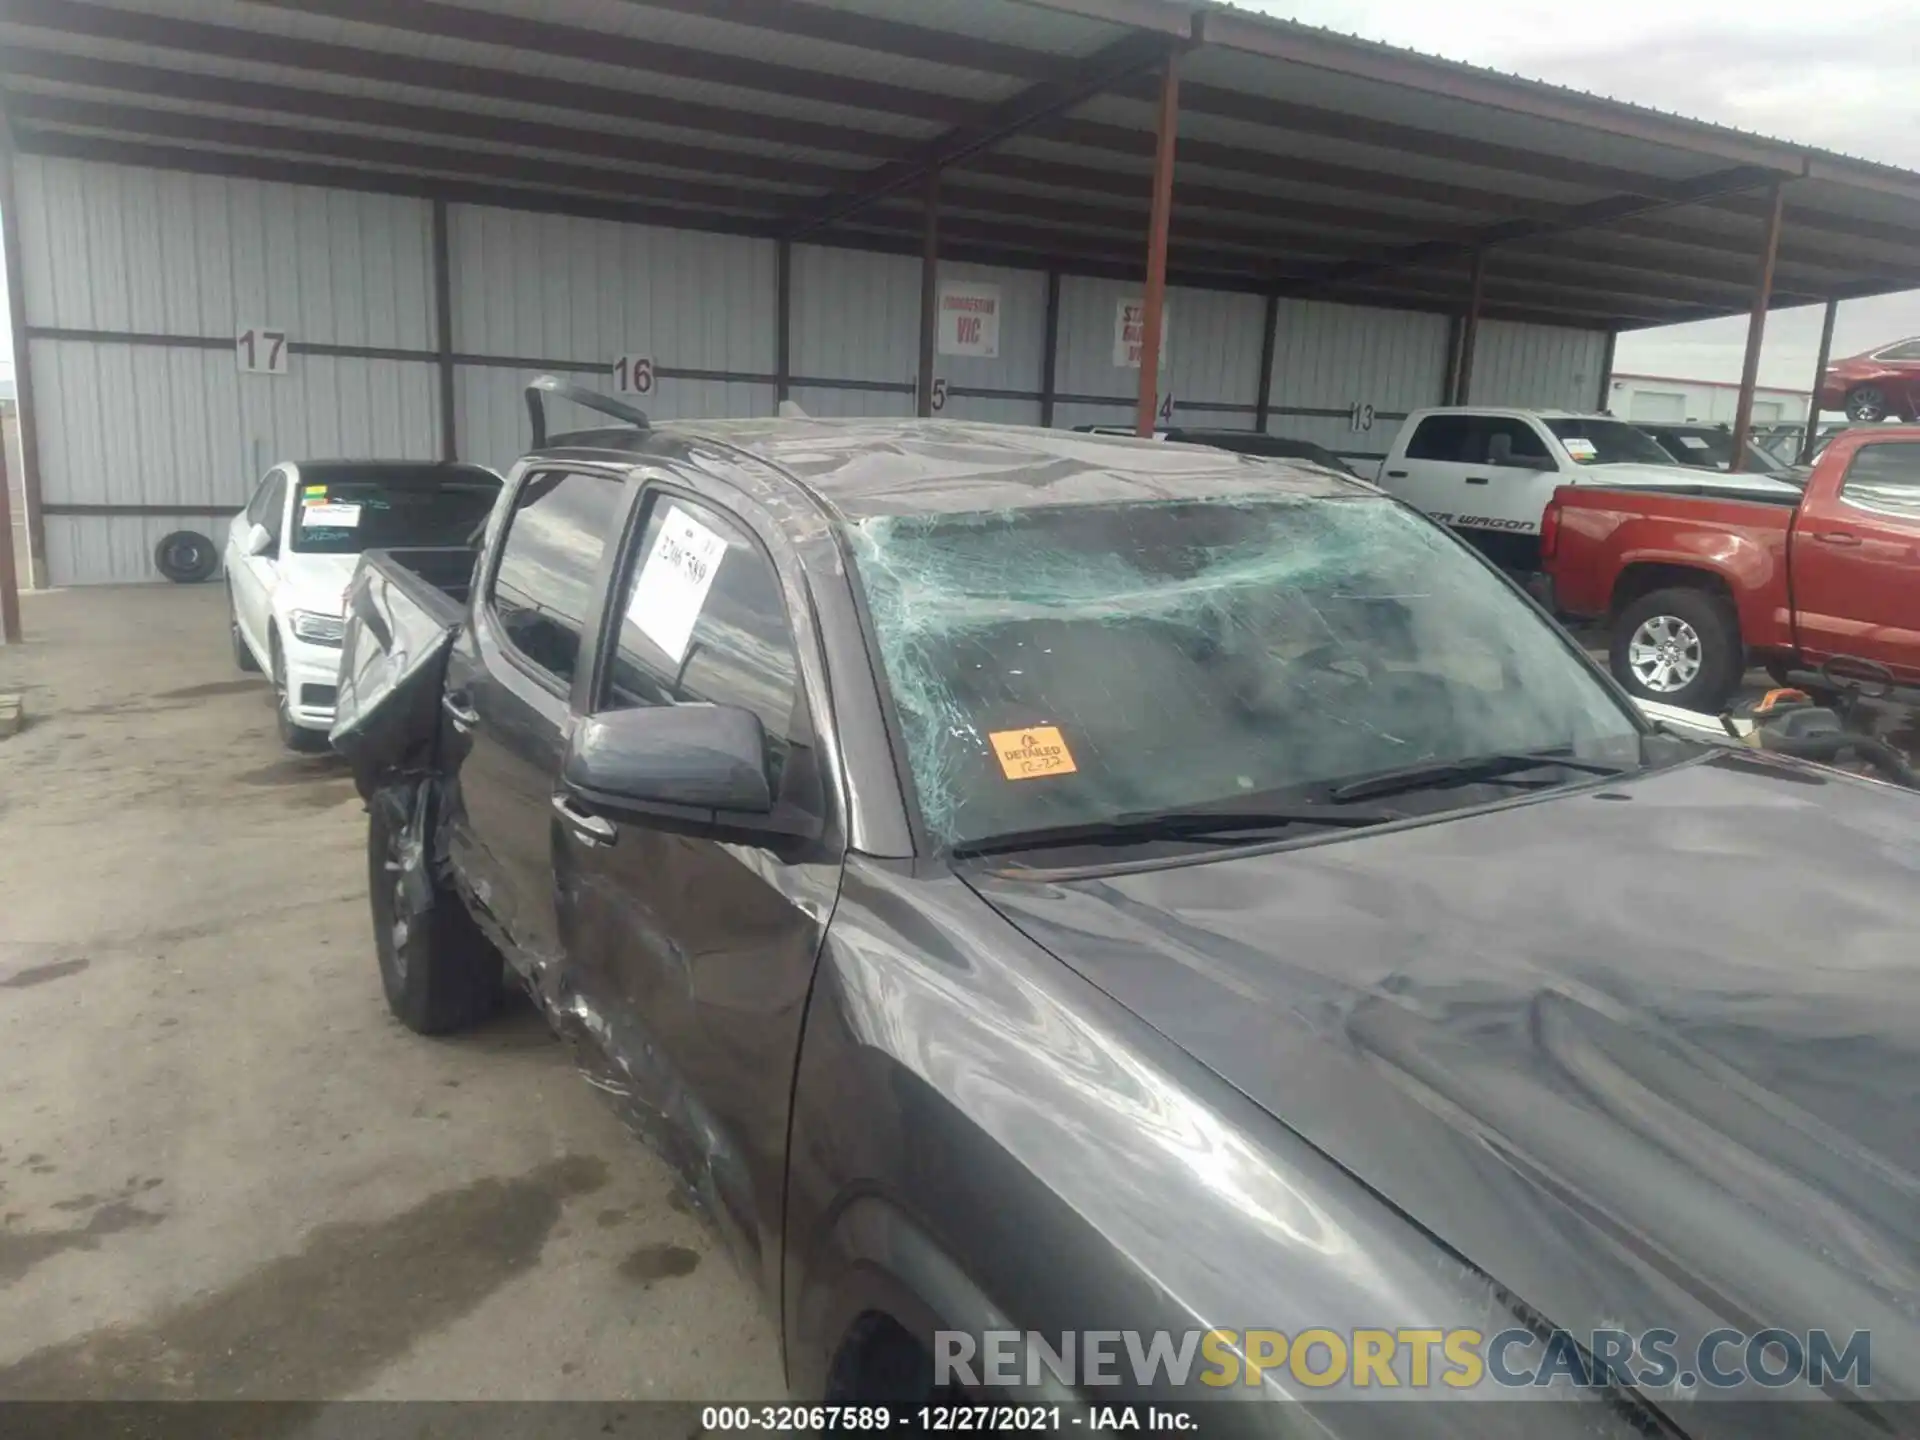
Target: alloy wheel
{"type": "Point", "coordinates": [1665, 654]}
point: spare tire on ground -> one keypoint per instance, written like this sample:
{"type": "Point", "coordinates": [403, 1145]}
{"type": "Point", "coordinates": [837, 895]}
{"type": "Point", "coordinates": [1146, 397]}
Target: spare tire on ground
{"type": "Point", "coordinates": [186, 557]}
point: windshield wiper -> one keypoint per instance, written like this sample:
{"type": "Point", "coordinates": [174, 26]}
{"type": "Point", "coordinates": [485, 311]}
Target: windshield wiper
{"type": "Point", "coordinates": [1504, 767]}
{"type": "Point", "coordinates": [1197, 823]}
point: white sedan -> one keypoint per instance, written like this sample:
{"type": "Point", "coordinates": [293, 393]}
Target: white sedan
{"type": "Point", "coordinates": [291, 552]}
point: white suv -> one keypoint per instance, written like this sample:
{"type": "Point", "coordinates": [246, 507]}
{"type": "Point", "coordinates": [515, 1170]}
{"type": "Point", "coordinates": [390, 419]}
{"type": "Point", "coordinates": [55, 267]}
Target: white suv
{"type": "Point", "coordinates": [291, 552]}
{"type": "Point", "coordinates": [1490, 473]}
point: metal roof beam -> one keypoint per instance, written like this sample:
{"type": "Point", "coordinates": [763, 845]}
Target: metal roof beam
{"type": "Point", "coordinates": [1306, 170]}
{"type": "Point", "coordinates": [280, 100]}
{"type": "Point", "coordinates": [602, 47]}
{"type": "Point", "coordinates": [383, 152]}
{"type": "Point", "coordinates": [873, 33]}
{"type": "Point", "coordinates": [281, 170]}
{"type": "Point", "coordinates": [101, 22]}
{"type": "Point", "coordinates": [1289, 115]}
{"type": "Point", "coordinates": [1450, 80]}
{"type": "Point", "coordinates": [1594, 214]}
{"type": "Point", "coordinates": [1074, 82]}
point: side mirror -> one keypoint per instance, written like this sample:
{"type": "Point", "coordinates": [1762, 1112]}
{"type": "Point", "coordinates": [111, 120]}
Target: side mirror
{"type": "Point", "coordinates": [259, 539]}
{"type": "Point", "coordinates": [708, 757]}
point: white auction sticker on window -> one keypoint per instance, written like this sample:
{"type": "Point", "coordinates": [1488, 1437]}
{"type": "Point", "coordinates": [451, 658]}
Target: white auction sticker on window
{"type": "Point", "coordinates": [1579, 447]}
{"type": "Point", "coordinates": [1693, 442]}
{"type": "Point", "coordinates": [673, 584]}
{"type": "Point", "coordinates": [329, 517]}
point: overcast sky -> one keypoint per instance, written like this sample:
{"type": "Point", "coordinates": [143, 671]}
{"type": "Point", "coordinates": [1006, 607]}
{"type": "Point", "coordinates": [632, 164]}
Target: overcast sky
{"type": "Point", "coordinates": [1763, 65]}
{"type": "Point", "coordinates": [1791, 71]}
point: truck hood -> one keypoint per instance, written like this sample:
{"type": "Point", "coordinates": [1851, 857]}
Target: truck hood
{"type": "Point", "coordinates": [1627, 477]}
{"type": "Point", "coordinates": [1645, 1054]}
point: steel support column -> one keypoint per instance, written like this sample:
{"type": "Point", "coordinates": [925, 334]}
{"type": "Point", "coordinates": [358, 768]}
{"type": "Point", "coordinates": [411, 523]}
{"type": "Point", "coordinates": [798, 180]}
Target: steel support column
{"type": "Point", "coordinates": [1269, 337]}
{"type": "Point", "coordinates": [1757, 329]}
{"type": "Point", "coordinates": [35, 516]}
{"type": "Point", "coordinates": [1155, 299]}
{"type": "Point", "coordinates": [929, 290]}
{"type": "Point", "coordinates": [1469, 331]}
{"type": "Point", "coordinates": [9, 571]}
{"type": "Point", "coordinates": [1604, 395]}
{"type": "Point", "coordinates": [443, 330]}
{"type": "Point", "coordinates": [1819, 377]}
{"type": "Point", "coordinates": [783, 321]}
{"type": "Point", "coordinates": [1050, 355]}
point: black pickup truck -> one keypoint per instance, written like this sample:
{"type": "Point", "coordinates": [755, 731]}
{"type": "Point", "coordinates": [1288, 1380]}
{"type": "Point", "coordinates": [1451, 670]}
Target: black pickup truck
{"type": "Point", "coordinates": [1094, 920]}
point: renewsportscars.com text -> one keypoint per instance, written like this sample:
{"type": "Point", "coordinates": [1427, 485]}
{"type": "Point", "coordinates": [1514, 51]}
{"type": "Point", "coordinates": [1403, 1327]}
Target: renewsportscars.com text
{"type": "Point", "coordinates": [1380, 1360]}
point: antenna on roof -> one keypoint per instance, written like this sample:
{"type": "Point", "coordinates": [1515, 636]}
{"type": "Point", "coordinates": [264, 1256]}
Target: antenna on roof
{"type": "Point", "coordinates": [581, 396]}
{"type": "Point", "coordinates": [790, 411]}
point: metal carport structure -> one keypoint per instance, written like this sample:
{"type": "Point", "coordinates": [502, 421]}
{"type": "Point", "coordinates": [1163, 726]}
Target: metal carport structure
{"type": "Point", "coordinates": [1018, 133]}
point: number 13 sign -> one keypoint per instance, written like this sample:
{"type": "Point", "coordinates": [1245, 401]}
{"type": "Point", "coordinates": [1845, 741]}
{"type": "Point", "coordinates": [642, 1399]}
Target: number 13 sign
{"type": "Point", "coordinates": [260, 351]}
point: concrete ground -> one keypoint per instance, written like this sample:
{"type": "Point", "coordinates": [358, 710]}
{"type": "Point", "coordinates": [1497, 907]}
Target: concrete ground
{"type": "Point", "coordinates": [225, 1172]}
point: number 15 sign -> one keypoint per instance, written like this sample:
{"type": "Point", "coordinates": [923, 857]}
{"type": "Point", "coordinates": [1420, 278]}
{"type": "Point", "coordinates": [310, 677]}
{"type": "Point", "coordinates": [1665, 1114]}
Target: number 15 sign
{"type": "Point", "coordinates": [260, 351]}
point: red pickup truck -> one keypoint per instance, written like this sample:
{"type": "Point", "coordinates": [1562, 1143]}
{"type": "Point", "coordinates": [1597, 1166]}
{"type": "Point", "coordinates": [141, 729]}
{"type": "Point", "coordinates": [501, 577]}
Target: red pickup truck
{"type": "Point", "coordinates": [1697, 587]}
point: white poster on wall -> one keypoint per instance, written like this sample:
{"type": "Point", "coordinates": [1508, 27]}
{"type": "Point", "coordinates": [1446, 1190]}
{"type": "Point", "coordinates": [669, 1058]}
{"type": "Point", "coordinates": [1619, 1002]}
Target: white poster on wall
{"type": "Point", "coordinates": [1130, 332]}
{"type": "Point", "coordinates": [969, 319]}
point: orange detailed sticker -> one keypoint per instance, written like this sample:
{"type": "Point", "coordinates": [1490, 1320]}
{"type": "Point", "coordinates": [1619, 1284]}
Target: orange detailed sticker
{"type": "Point", "coordinates": [1031, 753]}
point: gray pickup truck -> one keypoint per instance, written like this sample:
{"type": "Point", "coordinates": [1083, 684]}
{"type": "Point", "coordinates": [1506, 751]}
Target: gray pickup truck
{"type": "Point", "coordinates": [1093, 920]}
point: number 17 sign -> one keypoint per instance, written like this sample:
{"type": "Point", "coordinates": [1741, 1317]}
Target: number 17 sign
{"type": "Point", "coordinates": [260, 351]}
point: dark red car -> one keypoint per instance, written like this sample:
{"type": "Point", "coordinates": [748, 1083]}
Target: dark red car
{"type": "Point", "coordinates": [1874, 386]}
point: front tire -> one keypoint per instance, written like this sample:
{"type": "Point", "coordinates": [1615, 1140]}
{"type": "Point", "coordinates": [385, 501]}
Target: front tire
{"type": "Point", "coordinates": [295, 736]}
{"type": "Point", "coordinates": [1679, 646]}
{"type": "Point", "coordinates": [440, 974]}
{"type": "Point", "coordinates": [1867, 404]}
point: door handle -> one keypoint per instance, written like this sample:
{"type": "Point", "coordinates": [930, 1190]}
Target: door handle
{"type": "Point", "coordinates": [1396, 474]}
{"type": "Point", "coordinates": [1476, 480]}
{"type": "Point", "coordinates": [463, 715]}
{"type": "Point", "coordinates": [591, 829]}
{"type": "Point", "coordinates": [1836, 537]}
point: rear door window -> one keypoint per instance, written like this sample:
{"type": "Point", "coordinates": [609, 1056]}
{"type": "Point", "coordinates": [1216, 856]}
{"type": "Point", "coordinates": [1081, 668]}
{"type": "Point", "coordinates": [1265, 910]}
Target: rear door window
{"type": "Point", "coordinates": [1443, 437]}
{"type": "Point", "coordinates": [1885, 476]}
{"type": "Point", "coordinates": [543, 585]}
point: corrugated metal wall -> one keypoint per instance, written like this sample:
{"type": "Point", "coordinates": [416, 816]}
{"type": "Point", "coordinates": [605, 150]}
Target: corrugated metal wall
{"type": "Point", "coordinates": [1537, 367]}
{"type": "Point", "coordinates": [1328, 359]}
{"type": "Point", "coordinates": [1212, 365]}
{"type": "Point", "coordinates": [137, 282]}
{"type": "Point", "coordinates": [558, 293]}
{"type": "Point", "coordinates": [184, 262]}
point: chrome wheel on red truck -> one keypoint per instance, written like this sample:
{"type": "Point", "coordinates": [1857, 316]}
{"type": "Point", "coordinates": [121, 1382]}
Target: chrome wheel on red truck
{"type": "Point", "coordinates": [1664, 654]}
{"type": "Point", "coordinates": [1680, 646]}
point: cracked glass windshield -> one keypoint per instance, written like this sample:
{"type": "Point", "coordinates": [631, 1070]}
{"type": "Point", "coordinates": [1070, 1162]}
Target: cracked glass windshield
{"type": "Point", "coordinates": [1070, 666]}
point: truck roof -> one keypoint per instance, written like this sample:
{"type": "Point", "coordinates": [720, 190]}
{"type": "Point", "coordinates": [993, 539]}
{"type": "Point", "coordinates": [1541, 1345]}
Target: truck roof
{"type": "Point", "coordinates": [866, 467]}
{"type": "Point", "coordinates": [1518, 412]}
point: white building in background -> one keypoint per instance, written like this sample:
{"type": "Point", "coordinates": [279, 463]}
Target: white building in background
{"type": "Point", "coordinates": [1667, 400]}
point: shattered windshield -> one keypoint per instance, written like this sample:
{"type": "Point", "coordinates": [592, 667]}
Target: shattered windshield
{"type": "Point", "coordinates": [1066, 666]}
